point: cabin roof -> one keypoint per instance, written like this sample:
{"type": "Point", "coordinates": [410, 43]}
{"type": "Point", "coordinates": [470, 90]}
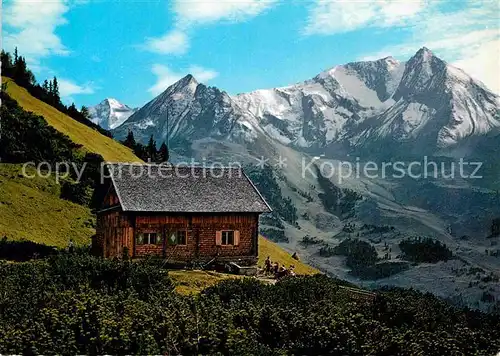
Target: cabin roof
{"type": "Point", "coordinates": [167, 188]}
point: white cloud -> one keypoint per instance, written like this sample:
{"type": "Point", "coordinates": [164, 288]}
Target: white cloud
{"type": "Point", "coordinates": [330, 17]}
{"type": "Point", "coordinates": [483, 63]}
{"type": "Point", "coordinates": [31, 28]}
{"type": "Point", "coordinates": [190, 13]}
{"type": "Point", "coordinates": [174, 42]}
{"type": "Point", "coordinates": [67, 88]}
{"type": "Point", "coordinates": [203, 11]}
{"type": "Point", "coordinates": [468, 38]}
{"type": "Point", "coordinates": [165, 76]}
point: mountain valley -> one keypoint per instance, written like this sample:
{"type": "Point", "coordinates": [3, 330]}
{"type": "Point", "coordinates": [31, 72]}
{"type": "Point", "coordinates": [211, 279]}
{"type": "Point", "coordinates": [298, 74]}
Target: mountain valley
{"type": "Point", "coordinates": [342, 120]}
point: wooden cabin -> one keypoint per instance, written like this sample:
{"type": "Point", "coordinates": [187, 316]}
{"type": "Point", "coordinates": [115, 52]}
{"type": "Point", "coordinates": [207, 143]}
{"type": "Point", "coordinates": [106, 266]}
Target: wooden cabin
{"type": "Point", "coordinates": [183, 214]}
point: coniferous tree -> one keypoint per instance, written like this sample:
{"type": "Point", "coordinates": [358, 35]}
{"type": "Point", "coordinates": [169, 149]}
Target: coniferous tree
{"type": "Point", "coordinates": [7, 65]}
{"type": "Point", "coordinates": [84, 111]}
{"type": "Point", "coordinates": [73, 111]}
{"type": "Point", "coordinates": [22, 75]}
{"type": "Point", "coordinates": [163, 154]}
{"type": "Point", "coordinates": [130, 140]}
{"type": "Point", "coordinates": [151, 149]}
{"type": "Point", "coordinates": [495, 227]}
{"type": "Point", "coordinates": [48, 91]}
{"type": "Point", "coordinates": [141, 152]}
{"type": "Point", "coordinates": [55, 91]}
{"type": "Point", "coordinates": [15, 56]}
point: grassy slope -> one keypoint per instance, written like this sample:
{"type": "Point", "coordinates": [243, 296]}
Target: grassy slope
{"type": "Point", "coordinates": [187, 282]}
{"type": "Point", "coordinates": [79, 133]}
{"type": "Point", "coordinates": [277, 254]}
{"type": "Point", "coordinates": [31, 209]}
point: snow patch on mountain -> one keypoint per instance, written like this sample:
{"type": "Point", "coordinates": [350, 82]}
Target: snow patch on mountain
{"type": "Point", "coordinates": [110, 113]}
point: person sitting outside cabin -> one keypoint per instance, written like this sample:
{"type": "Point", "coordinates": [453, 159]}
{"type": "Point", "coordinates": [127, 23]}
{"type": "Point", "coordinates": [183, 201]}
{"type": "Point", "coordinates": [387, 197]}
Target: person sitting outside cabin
{"type": "Point", "coordinates": [276, 268]}
{"type": "Point", "coordinates": [71, 246]}
{"type": "Point", "coordinates": [268, 265]}
{"type": "Point", "coordinates": [282, 272]}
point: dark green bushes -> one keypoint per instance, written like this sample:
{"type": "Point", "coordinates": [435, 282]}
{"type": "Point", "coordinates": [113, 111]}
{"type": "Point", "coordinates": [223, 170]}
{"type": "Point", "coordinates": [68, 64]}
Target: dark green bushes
{"type": "Point", "coordinates": [24, 250]}
{"type": "Point", "coordinates": [274, 235]}
{"type": "Point", "coordinates": [264, 179]}
{"type": "Point", "coordinates": [340, 202]}
{"type": "Point", "coordinates": [363, 260]}
{"type": "Point", "coordinates": [77, 304]}
{"type": "Point", "coordinates": [425, 250]}
{"type": "Point", "coordinates": [358, 252]}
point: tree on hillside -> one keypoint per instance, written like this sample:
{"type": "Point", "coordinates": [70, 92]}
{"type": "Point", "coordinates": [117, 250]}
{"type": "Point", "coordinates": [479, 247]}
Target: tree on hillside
{"type": "Point", "coordinates": [84, 111]}
{"type": "Point", "coordinates": [22, 75]}
{"type": "Point", "coordinates": [163, 154]}
{"type": "Point", "coordinates": [48, 91]}
{"type": "Point", "coordinates": [130, 140]}
{"type": "Point", "coordinates": [72, 110]}
{"type": "Point", "coordinates": [55, 92]}
{"type": "Point", "coordinates": [7, 65]}
{"type": "Point", "coordinates": [15, 56]}
{"type": "Point", "coordinates": [495, 227]}
{"type": "Point", "coordinates": [141, 151]}
{"type": "Point", "coordinates": [151, 149]}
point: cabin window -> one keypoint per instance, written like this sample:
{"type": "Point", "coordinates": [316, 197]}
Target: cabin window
{"type": "Point", "coordinates": [178, 237]}
{"type": "Point", "coordinates": [228, 237]}
{"type": "Point", "coordinates": [148, 238]}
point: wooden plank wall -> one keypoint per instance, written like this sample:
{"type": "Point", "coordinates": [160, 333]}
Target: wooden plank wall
{"type": "Point", "coordinates": [115, 230]}
{"type": "Point", "coordinates": [111, 198]}
{"type": "Point", "coordinates": [201, 233]}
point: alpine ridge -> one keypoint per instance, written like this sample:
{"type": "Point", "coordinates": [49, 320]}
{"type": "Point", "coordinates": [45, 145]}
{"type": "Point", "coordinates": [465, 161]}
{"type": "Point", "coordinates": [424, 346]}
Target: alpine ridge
{"type": "Point", "coordinates": [423, 106]}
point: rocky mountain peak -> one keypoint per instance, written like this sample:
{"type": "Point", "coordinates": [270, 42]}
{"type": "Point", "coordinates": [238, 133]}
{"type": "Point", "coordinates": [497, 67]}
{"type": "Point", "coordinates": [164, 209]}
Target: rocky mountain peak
{"type": "Point", "coordinates": [424, 53]}
{"type": "Point", "coordinates": [110, 113]}
{"type": "Point", "coordinates": [186, 83]}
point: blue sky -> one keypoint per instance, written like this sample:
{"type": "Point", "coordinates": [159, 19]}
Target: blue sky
{"type": "Point", "coordinates": [132, 50]}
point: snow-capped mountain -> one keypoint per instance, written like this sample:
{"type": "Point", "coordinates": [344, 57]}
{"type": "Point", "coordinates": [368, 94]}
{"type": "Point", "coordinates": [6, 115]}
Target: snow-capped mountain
{"type": "Point", "coordinates": [423, 105]}
{"type": "Point", "coordinates": [110, 113]}
{"type": "Point", "coordinates": [322, 110]}
{"type": "Point", "coordinates": [188, 111]}
{"type": "Point", "coordinates": [435, 106]}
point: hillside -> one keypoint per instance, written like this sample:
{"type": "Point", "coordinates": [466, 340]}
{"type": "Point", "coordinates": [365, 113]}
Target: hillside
{"type": "Point", "coordinates": [31, 209]}
{"type": "Point", "coordinates": [273, 250]}
{"type": "Point", "coordinates": [91, 140]}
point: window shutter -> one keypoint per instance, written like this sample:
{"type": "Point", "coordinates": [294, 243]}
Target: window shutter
{"type": "Point", "coordinates": [236, 237]}
{"type": "Point", "coordinates": [218, 238]}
